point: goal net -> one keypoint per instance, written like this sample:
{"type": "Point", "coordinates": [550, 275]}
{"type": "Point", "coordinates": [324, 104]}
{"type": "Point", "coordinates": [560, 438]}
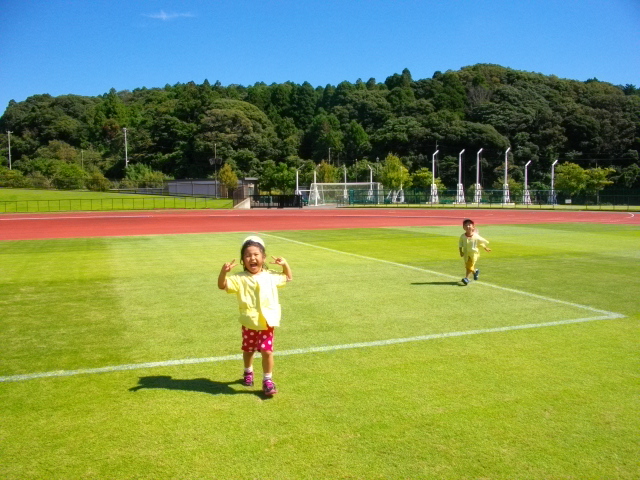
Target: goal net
{"type": "Point", "coordinates": [350, 192]}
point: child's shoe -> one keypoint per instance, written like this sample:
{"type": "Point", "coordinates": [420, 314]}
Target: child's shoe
{"type": "Point", "coordinates": [465, 281]}
{"type": "Point", "coordinates": [476, 274]}
{"type": "Point", "coordinates": [268, 387]}
{"type": "Point", "coordinates": [247, 379]}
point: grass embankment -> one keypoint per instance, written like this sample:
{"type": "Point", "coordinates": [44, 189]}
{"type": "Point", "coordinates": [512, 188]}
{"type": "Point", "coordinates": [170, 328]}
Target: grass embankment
{"type": "Point", "coordinates": [34, 201]}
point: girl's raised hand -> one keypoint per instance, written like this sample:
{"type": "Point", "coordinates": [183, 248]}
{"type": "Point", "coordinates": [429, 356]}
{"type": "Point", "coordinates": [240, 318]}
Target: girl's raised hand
{"type": "Point", "coordinates": [278, 261]}
{"type": "Point", "coordinates": [229, 265]}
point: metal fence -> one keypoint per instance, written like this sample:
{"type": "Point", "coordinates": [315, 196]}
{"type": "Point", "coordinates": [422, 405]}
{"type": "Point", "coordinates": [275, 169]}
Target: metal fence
{"type": "Point", "coordinates": [276, 201]}
{"type": "Point", "coordinates": [108, 204]}
{"type": "Point", "coordinates": [492, 198]}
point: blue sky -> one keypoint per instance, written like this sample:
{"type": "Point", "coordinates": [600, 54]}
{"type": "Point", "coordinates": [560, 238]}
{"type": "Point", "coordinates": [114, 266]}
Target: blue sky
{"type": "Point", "coordinates": [87, 47]}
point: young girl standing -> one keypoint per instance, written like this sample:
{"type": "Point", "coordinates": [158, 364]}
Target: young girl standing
{"type": "Point", "coordinates": [257, 291]}
{"type": "Point", "coordinates": [468, 245]}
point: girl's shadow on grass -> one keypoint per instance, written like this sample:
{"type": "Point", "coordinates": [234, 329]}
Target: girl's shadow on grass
{"type": "Point", "coordinates": [436, 283]}
{"type": "Point", "coordinates": [202, 385]}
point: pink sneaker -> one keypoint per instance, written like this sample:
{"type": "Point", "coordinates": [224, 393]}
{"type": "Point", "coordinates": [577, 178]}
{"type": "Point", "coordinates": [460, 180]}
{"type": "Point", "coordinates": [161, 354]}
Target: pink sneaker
{"type": "Point", "coordinates": [247, 379]}
{"type": "Point", "coordinates": [268, 387]}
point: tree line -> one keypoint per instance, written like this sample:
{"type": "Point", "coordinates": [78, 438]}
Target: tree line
{"type": "Point", "coordinates": [191, 130]}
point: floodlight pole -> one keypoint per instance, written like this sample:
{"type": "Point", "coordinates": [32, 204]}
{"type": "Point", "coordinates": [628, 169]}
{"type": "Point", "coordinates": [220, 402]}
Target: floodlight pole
{"type": "Point", "coordinates": [9, 137]}
{"type": "Point", "coordinates": [460, 196]}
{"type": "Point", "coordinates": [478, 188]}
{"type": "Point", "coordinates": [434, 188]}
{"type": "Point", "coordinates": [297, 181]}
{"type": "Point", "coordinates": [505, 193]}
{"type": "Point", "coordinates": [370, 193]}
{"type": "Point", "coordinates": [552, 195]}
{"type": "Point", "coordinates": [345, 193]}
{"type": "Point", "coordinates": [315, 185]}
{"type": "Point", "coordinates": [126, 155]}
{"type": "Point", "coordinates": [526, 199]}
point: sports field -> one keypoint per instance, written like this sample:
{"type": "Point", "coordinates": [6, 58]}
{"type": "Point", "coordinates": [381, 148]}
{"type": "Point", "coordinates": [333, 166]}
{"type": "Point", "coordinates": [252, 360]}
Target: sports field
{"type": "Point", "coordinates": [120, 358]}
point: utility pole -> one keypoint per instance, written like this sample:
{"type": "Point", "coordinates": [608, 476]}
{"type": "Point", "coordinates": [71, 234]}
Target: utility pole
{"type": "Point", "coordinates": [9, 137]}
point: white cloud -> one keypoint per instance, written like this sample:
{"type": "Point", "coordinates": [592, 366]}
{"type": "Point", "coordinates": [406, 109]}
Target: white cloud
{"type": "Point", "coordinates": [165, 17]}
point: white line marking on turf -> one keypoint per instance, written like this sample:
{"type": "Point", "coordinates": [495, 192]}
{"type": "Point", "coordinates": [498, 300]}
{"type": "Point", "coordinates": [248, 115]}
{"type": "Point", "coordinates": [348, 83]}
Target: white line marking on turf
{"type": "Point", "coordinates": [402, 265]}
{"type": "Point", "coordinates": [297, 351]}
{"type": "Point", "coordinates": [606, 315]}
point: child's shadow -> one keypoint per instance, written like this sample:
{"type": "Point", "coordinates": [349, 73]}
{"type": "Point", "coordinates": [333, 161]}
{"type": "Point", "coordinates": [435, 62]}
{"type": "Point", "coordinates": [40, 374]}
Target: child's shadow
{"type": "Point", "coordinates": [202, 385]}
{"type": "Point", "coordinates": [436, 283]}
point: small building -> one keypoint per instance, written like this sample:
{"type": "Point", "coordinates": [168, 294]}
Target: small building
{"type": "Point", "coordinates": [211, 188]}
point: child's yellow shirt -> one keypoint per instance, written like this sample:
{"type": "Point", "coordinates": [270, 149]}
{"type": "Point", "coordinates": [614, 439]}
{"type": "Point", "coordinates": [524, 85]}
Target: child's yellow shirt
{"type": "Point", "coordinates": [257, 298]}
{"type": "Point", "coordinates": [469, 245]}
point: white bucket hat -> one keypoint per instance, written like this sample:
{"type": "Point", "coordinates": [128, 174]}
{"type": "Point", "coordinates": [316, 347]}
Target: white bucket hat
{"type": "Point", "coordinates": [254, 238]}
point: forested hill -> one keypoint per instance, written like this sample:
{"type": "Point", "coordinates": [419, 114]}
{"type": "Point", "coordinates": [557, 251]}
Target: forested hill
{"type": "Point", "coordinates": [178, 129]}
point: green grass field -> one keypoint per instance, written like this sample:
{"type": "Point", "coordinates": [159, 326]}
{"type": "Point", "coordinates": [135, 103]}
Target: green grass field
{"type": "Point", "coordinates": [387, 368]}
{"type": "Point", "coordinates": [19, 200]}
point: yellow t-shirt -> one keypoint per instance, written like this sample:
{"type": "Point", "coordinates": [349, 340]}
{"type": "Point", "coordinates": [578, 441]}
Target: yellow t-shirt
{"type": "Point", "coordinates": [257, 297]}
{"type": "Point", "coordinates": [469, 245]}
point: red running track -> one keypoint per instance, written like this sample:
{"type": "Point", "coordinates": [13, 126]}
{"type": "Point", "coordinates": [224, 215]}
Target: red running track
{"type": "Point", "coordinates": [102, 224]}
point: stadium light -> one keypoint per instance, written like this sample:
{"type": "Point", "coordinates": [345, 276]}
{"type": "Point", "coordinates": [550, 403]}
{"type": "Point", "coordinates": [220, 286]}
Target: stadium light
{"type": "Point", "coordinates": [526, 199]}
{"type": "Point", "coordinates": [434, 188]}
{"type": "Point", "coordinates": [505, 193]}
{"type": "Point", "coordinates": [460, 195]}
{"type": "Point", "coordinates": [552, 195]}
{"type": "Point", "coordinates": [478, 193]}
{"type": "Point", "coordinates": [9, 137]}
{"type": "Point", "coordinates": [345, 193]}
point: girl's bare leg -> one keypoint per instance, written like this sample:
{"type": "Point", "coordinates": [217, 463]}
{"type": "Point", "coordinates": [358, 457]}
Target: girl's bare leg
{"type": "Point", "coordinates": [247, 357]}
{"type": "Point", "coordinates": [267, 362]}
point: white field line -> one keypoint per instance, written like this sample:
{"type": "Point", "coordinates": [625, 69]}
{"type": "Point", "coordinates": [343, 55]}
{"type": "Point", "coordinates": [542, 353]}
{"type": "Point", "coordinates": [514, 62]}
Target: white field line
{"type": "Point", "coordinates": [605, 315]}
{"type": "Point", "coordinates": [297, 351]}
{"type": "Point", "coordinates": [402, 265]}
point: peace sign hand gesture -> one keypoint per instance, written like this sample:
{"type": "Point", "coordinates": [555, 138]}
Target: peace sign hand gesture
{"type": "Point", "coordinates": [226, 268]}
{"type": "Point", "coordinates": [278, 261]}
{"type": "Point", "coordinates": [229, 265]}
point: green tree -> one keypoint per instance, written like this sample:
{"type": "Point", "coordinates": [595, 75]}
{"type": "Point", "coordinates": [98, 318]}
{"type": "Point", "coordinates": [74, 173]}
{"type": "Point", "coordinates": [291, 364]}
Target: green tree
{"type": "Point", "coordinates": [324, 134]}
{"type": "Point", "coordinates": [629, 176]}
{"type": "Point", "coordinates": [12, 178]}
{"type": "Point", "coordinates": [326, 173]}
{"type": "Point", "coordinates": [143, 176]}
{"type": "Point", "coordinates": [356, 141]}
{"type": "Point", "coordinates": [227, 177]}
{"type": "Point", "coordinates": [423, 178]}
{"type": "Point", "coordinates": [597, 179]}
{"type": "Point", "coordinates": [394, 174]}
{"type": "Point", "coordinates": [570, 178]}
{"type": "Point", "coordinates": [97, 182]}
{"type": "Point", "coordinates": [68, 176]}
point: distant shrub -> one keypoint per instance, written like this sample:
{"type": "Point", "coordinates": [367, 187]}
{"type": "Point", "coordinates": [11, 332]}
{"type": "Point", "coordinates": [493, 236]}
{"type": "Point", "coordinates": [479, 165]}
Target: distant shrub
{"type": "Point", "coordinates": [38, 180]}
{"type": "Point", "coordinates": [69, 176]}
{"type": "Point", "coordinates": [97, 182]}
{"type": "Point", "coordinates": [12, 178]}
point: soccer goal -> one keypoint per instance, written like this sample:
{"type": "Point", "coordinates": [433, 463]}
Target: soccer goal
{"type": "Point", "coordinates": [349, 192]}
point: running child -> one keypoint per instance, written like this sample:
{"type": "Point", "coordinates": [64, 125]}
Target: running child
{"type": "Point", "coordinates": [468, 245]}
{"type": "Point", "coordinates": [257, 291]}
